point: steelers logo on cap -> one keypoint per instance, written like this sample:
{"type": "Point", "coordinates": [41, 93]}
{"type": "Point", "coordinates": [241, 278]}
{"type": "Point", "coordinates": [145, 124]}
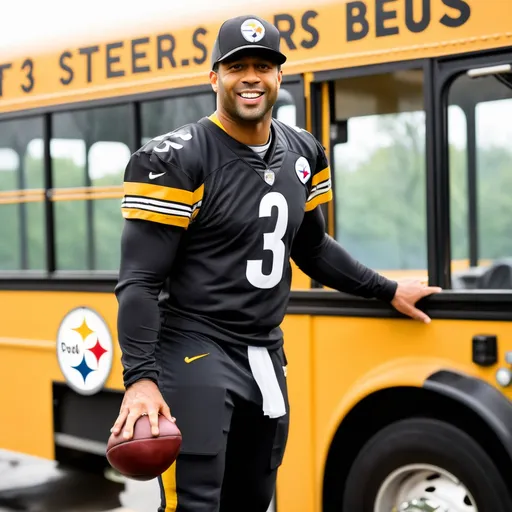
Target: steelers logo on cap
{"type": "Point", "coordinates": [252, 30]}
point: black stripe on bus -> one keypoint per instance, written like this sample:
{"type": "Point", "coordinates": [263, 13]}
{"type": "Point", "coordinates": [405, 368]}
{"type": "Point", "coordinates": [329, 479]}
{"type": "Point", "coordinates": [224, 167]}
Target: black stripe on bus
{"type": "Point", "coordinates": [123, 99]}
{"type": "Point", "coordinates": [460, 305]}
{"type": "Point", "coordinates": [59, 281]}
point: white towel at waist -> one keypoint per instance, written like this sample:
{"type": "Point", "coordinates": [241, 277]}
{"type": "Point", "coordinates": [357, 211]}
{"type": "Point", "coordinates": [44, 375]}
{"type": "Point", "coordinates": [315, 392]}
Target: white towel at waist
{"type": "Point", "coordinates": [265, 376]}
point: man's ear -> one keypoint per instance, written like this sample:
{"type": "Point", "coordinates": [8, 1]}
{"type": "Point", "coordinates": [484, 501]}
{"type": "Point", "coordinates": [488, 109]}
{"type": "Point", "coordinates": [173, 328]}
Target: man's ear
{"type": "Point", "coordinates": [213, 80]}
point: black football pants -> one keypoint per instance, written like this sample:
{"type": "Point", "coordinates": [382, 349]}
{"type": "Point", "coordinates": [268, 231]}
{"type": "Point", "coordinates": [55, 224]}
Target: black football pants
{"type": "Point", "coordinates": [230, 451]}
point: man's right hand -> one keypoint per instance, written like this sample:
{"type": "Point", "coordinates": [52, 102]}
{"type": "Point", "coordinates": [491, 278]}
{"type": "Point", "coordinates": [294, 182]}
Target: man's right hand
{"type": "Point", "coordinates": [140, 399]}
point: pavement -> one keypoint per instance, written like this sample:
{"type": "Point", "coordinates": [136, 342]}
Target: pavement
{"type": "Point", "coordinates": [29, 484]}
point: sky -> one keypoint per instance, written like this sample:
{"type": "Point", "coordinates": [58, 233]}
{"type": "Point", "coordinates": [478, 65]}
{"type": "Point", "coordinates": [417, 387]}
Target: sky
{"type": "Point", "coordinates": [31, 21]}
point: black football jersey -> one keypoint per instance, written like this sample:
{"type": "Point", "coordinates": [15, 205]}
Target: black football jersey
{"type": "Point", "coordinates": [232, 275]}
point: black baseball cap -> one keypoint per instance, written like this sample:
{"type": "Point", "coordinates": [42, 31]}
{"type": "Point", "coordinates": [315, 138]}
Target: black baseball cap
{"type": "Point", "coordinates": [245, 33]}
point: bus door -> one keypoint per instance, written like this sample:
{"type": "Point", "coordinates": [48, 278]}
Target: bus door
{"type": "Point", "coordinates": [372, 123]}
{"type": "Point", "coordinates": [476, 160]}
{"type": "Point", "coordinates": [420, 156]}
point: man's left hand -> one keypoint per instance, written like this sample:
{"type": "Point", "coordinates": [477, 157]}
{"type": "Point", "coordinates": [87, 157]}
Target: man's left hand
{"type": "Point", "coordinates": [408, 293]}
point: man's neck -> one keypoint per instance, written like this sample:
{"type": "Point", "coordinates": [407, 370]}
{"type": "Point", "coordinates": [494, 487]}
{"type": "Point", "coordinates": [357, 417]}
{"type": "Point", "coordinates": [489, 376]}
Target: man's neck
{"type": "Point", "coordinates": [251, 134]}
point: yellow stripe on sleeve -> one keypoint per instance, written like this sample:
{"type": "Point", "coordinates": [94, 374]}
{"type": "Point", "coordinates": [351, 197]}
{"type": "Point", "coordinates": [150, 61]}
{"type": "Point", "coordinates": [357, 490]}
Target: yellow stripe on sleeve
{"type": "Point", "coordinates": [172, 220]}
{"type": "Point", "coordinates": [165, 205]}
{"type": "Point", "coordinates": [323, 175]}
{"type": "Point", "coordinates": [198, 194]}
{"type": "Point", "coordinates": [198, 199]}
{"type": "Point", "coordinates": [132, 188]}
{"type": "Point", "coordinates": [319, 199]}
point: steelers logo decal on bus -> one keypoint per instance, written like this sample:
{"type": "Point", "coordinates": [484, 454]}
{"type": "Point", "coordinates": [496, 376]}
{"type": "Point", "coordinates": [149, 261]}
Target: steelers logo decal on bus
{"type": "Point", "coordinates": [84, 350]}
{"type": "Point", "coordinates": [253, 31]}
{"type": "Point", "coordinates": [302, 169]}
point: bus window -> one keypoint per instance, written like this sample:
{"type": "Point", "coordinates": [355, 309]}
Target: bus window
{"type": "Point", "coordinates": [285, 109]}
{"type": "Point", "coordinates": [107, 164]}
{"type": "Point", "coordinates": [89, 148]}
{"type": "Point", "coordinates": [21, 195]}
{"type": "Point", "coordinates": [457, 136]}
{"type": "Point", "coordinates": [481, 182]}
{"type": "Point", "coordinates": [379, 166]}
{"type": "Point", "coordinates": [162, 116]}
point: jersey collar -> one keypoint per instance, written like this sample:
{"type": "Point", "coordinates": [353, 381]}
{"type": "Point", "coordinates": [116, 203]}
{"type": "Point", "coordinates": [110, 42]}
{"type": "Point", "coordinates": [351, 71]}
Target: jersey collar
{"type": "Point", "coordinates": [275, 154]}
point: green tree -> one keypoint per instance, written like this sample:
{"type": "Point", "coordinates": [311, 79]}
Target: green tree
{"type": "Point", "coordinates": [381, 204]}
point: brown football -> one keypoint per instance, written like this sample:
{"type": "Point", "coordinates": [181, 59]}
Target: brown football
{"type": "Point", "coordinates": [144, 456]}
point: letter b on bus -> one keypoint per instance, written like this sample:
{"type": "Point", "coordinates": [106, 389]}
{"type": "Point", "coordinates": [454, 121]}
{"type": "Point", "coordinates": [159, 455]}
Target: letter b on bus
{"type": "Point", "coordinates": [357, 24]}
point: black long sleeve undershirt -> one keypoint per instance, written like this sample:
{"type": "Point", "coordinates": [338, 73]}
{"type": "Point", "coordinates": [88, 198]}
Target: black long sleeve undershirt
{"type": "Point", "coordinates": [325, 261]}
{"type": "Point", "coordinates": [148, 251]}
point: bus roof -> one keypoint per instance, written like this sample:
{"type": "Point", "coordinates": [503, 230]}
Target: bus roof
{"type": "Point", "coordinates": [98, 21]}
{"type": "Point", "coordinates": [134, 50]}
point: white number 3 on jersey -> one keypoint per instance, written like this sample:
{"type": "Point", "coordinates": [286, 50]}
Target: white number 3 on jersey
{"type": "Point", "coordinates": [271, 242]}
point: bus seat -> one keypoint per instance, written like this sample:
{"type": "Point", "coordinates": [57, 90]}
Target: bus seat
{"type": "Point", "coordinates": [467, 279]}
{"type": "Point", "coordinates": [498, 276]}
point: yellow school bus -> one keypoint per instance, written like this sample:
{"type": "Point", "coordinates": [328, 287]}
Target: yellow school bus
{"type": "Point", "coordinates": [413, 101]}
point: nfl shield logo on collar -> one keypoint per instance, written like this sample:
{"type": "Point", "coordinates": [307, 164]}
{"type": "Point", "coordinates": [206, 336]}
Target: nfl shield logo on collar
{"type": "Point", "coordinates": [303, 170]}
{"type": "Point", "coordinates": [269, 177]}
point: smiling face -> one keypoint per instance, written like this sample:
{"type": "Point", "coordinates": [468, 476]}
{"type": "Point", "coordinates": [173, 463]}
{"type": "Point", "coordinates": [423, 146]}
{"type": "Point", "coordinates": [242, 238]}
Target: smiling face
{"type": "Point", "coordinates": [246, 88]}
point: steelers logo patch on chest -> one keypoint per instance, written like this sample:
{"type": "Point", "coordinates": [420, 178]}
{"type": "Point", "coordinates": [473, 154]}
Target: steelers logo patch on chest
{"type": "Point", "coordinates": [303, 170]}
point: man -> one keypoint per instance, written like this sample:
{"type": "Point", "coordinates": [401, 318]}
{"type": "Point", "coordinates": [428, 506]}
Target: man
{"type": "Point", "coordinates": [214, 212]}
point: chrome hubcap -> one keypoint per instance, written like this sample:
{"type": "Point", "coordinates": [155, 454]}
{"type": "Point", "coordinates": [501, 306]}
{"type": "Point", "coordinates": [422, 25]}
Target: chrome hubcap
{"type": "Point", "coordinates": [423, 488]}
{"type": "Point", "coordinates": [418, 506]}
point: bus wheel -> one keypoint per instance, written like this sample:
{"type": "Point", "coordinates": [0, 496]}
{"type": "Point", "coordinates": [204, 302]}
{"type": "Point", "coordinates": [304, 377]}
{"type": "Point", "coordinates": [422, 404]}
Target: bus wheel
{"type": "Point", "coordinates": [424, 464]}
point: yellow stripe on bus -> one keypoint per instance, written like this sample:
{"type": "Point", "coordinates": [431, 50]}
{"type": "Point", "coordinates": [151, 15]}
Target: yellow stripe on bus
{"type": "Point", "coordinates": [22, 196]}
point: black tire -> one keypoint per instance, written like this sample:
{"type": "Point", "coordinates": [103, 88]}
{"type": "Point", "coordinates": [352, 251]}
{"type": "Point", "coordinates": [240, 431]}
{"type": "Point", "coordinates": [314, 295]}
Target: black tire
{"type": "Point", "coordinates": [427, 441]}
